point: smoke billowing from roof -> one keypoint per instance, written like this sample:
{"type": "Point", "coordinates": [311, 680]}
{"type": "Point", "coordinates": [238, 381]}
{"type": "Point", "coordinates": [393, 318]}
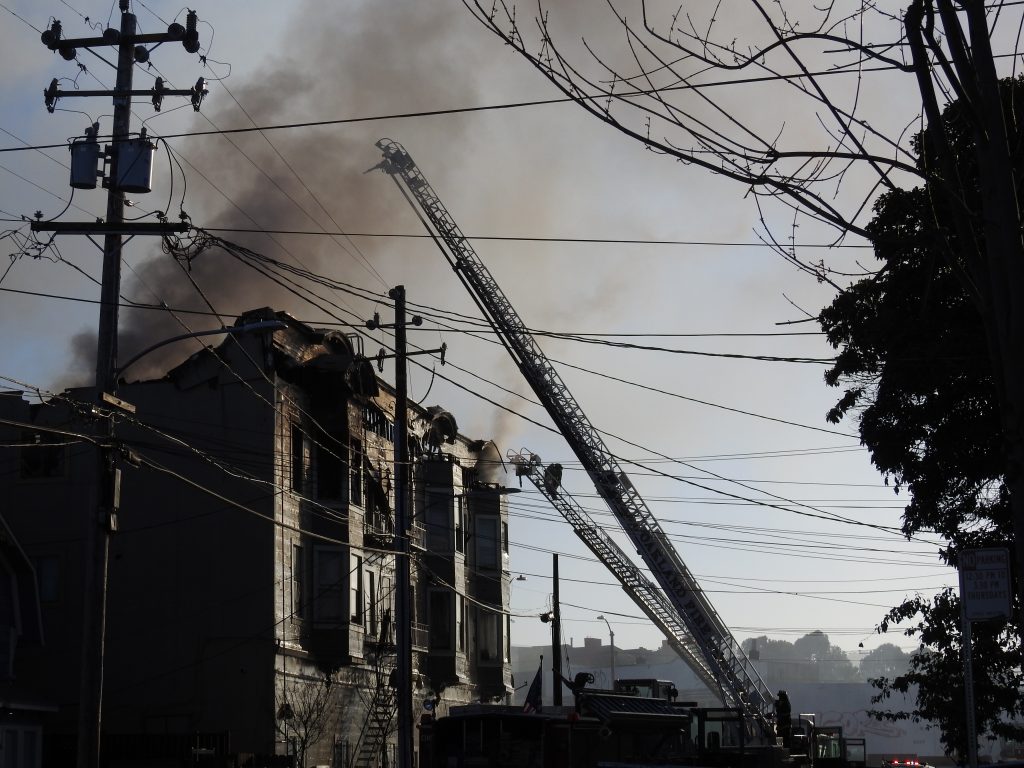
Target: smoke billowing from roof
{"type": "Point", "coordinates": [341, 66]}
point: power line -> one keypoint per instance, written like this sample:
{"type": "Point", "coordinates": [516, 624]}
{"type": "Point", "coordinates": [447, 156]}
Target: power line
{"type": "Point", "coordinates": [539, 239]}
{"type": "Point", "coordinates": [486, 107]}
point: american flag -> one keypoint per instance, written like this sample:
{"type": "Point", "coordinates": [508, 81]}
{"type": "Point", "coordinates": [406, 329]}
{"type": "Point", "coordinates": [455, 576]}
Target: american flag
{"type": "Point", "coordinates": [534, 695]}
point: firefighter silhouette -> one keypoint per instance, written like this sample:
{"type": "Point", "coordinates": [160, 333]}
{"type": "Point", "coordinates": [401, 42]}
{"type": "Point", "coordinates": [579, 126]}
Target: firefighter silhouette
{"type": "Point", "coordinates": [783, 718]}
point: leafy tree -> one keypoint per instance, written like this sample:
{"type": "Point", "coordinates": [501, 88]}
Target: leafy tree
{"type": "Point", "coordinates": [887, 660]}
{"type": "Point", "coordinates": [811, 658]}
{"type": "Point", "coordinates": [915, 370]}
{"type": "Point", "coordinates": [831, 661]}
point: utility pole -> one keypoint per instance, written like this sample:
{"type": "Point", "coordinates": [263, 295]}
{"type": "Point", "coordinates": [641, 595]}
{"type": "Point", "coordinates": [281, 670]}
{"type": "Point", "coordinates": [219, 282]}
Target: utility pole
{"type": "Point", "coordinates": [556, 636]}
{"type": "Point", "coordinates": [402, 570]}
{"type": "Point", "coordinates": [554, 617]}
{"type": "Point", "coordinates": [403, 623]}
{"type": "Point", "coordinates": [130, 169]}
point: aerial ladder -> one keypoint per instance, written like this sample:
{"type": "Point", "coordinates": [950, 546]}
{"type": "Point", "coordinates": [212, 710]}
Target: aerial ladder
{"type": "Point", "coordinates": [694, 628]}
{"type": "Point", "coordinates": [647, 596]}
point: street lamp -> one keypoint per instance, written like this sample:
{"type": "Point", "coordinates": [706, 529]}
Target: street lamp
{"type": "Point", "coordinates": [611, 636]}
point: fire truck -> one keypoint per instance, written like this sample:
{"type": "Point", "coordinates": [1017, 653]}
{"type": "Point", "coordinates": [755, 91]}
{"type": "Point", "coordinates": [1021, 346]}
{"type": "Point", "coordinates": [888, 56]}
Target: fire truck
{"type": "Point", "coordinates": [673, 600]}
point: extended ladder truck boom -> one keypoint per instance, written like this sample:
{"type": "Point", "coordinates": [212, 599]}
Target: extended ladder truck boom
{"type": "Point", "coordinates": [735, 678]}
{"type": "Point", "coordinates": [650, 599]}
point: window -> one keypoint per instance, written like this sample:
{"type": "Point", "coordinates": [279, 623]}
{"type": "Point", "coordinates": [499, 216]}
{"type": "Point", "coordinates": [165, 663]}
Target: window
{"type": "Point", "coordinates": [439, 521]}
{"type": "Point", "coordinates": [330, 468]}
{"type": "Point", "coordinates": [20, 746]}
{"type": "Point", "coordinates": [328, 583]}
{"type": "Point", "coordinates": [440, 610]}
{"type": "Point", "coordinates": [460, 524]}
{"type": "Point", "coordinates": [356, 597]}
{"type": "Point", "coordinates": [47, 568]}
{"type": "Point", "coordinates": [504, 537]}
{"type": "Point", "coordinates": [460, 623]}
{"type": "Point", "coordinates": [487, 542]}
{"type": "Point", "coordinates": [42, 456]}
{"type": "Point", "coordinates": [373, 602]}
{"type": "Point", "coordinates": [356, 472]}
{"type": "Point", "coordinates": [298, 583]}
{"type": "Point", "coordinates": [385, 600]}
{"type": "Point", "coordinates": [507, 640]}
{"type": "Point", "coordinates": [488, 635]}
{"type": "Point", "coordinates": [377, 422]}
{"type": "Point", "coordinates": [298, 458]}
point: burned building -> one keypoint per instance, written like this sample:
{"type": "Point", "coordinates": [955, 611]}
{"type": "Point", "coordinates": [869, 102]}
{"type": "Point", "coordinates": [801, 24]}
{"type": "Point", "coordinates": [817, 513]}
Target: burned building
{"type": "Point", "coordinates": [252, 573]}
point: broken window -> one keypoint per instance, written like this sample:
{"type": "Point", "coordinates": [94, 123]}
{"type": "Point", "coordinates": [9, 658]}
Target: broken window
{"type": "Point", "coordinates": [330, 467]}
{"type": "Point", "coordinates": [43, 456]}
{"type": "Point", "coordinates": [375, 420]}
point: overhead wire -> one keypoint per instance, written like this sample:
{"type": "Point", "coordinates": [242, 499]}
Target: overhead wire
{"type": "Point", "coordinates": [481, 108]}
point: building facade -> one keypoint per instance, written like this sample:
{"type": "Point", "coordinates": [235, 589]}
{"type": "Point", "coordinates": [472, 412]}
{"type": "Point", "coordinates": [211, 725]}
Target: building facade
{"type": "Point", "coordinates": [251, 609]}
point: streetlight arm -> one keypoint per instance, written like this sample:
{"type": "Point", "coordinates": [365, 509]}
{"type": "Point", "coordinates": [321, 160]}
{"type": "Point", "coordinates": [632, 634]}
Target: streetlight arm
{"type": "Point", "coordinates": [611, 636]}
{"type": "Point", "coordinates": [261, 325]}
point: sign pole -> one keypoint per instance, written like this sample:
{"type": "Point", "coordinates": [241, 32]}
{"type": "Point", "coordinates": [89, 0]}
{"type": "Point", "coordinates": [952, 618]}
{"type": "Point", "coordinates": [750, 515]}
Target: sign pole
{"type": "Point", "coordinates": [969, 723]}
{"type": "Point", "coordinates": [985, 591]}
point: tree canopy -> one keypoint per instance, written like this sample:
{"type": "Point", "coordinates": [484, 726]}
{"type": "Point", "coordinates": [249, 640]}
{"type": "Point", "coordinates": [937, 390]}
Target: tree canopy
{"type": "Point", "coordinates": [811, 658]}
{"type": "Point", "coordinates": [915, 369]}
{"type": "Point", "coordinates": [887, 660]}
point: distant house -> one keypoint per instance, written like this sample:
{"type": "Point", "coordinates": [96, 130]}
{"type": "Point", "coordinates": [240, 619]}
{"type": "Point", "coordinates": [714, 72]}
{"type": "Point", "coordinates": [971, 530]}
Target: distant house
{"type": "Point", "coordinates": [252, 574]}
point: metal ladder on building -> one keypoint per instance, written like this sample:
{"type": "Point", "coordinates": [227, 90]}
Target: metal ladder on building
{"type": "Point", "coordinates": [373, 736]}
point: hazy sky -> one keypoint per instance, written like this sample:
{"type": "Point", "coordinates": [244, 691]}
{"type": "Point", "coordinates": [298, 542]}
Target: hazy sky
{"type": "Point", "coordinates": [543, 171]}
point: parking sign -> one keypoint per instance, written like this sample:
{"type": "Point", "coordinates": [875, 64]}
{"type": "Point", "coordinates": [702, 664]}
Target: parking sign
{"type": "Point", "coordinates": [985, 583]}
